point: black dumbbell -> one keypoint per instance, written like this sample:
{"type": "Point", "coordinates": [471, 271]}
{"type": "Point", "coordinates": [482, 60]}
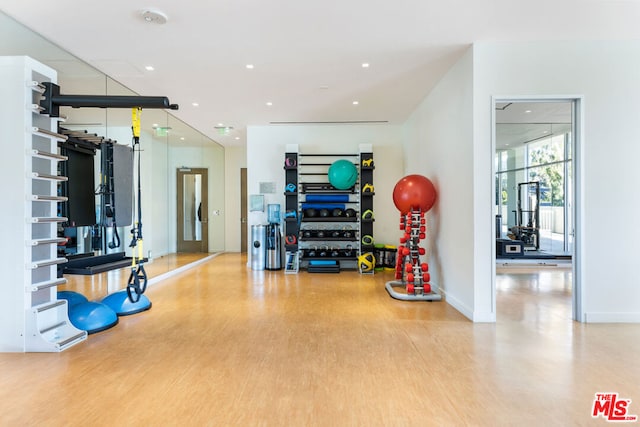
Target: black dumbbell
{"type": "Point", "coordinates": [350, 213]}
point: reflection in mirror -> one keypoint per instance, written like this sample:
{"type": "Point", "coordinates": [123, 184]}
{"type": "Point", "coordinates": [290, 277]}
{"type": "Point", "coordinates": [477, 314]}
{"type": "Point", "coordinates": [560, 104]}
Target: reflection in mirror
{"type": "Point", "coordinates": [189, 149]}
{"type": "Point", "coordinates": [192, 207]}
{"type": "Point", "coordinates": [166, 141]}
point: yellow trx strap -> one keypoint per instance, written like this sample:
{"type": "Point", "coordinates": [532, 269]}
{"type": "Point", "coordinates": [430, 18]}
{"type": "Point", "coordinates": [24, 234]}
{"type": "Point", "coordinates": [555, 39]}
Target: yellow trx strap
{"type": "Point", "coordinates": [134, 286]}
{"type": "Point", "coordinates": [135, 123]}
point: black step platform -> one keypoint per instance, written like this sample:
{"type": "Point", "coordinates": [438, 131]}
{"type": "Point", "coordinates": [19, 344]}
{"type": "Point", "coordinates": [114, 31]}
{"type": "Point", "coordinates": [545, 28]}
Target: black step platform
{"type": "Point", "coordinates": [89, 264]}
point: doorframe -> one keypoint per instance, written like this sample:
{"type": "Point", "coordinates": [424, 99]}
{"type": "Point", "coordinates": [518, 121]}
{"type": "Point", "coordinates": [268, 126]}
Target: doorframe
{"type": "Point", "coordinates": [244, 211]}
{"type": "Point", "coordinates": [204, 243]}
{"type": "Point", "coordinates": [578, 294]}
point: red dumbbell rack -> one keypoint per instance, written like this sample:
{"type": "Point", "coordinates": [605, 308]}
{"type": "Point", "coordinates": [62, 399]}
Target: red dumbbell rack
{"type": "Point", "coordinates": [412, 275]}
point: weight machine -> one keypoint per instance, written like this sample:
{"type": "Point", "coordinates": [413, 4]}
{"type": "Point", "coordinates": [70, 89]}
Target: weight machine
{"type": "Point", "coordinates": [527, 215]}
{"type": "Point", "coordinates": [50, 104]}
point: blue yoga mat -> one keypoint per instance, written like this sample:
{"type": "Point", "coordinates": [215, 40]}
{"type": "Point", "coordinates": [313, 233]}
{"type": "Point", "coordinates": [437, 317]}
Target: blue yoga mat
{"type": "Point", "coordinates": [335, 198]}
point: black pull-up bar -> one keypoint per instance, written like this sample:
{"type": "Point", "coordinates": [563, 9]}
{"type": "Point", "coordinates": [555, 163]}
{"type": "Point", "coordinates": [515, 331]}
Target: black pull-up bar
{"type": "Point", "coordinates": [53, 100]}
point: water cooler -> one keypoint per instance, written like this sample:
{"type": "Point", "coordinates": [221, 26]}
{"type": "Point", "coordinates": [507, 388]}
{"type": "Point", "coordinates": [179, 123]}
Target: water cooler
{"type": "Point", "coordinates": [274, 239]}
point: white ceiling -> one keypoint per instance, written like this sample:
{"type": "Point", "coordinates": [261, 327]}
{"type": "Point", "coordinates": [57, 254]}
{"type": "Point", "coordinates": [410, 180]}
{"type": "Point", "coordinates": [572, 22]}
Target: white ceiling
{"type": "Point", "coordinates": [307, 55]}
{"type": "Point", "coordinates": [518, 123]}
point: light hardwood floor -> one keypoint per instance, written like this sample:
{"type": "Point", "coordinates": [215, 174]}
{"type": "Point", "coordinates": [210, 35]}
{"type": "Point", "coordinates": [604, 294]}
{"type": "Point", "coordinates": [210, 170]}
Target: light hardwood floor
{"type": "Point", "coordinates": [227, 346]}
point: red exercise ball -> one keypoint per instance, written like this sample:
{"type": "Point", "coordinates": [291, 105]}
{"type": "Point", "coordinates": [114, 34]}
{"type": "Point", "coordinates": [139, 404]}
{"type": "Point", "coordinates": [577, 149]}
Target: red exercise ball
{"type": "Point", "coordinates": [414, 191]}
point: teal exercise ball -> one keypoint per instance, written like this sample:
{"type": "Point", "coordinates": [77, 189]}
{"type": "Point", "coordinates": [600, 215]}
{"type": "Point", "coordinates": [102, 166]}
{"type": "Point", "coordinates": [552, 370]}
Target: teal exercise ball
{"type": "Point", "coordinates": [343, 174]}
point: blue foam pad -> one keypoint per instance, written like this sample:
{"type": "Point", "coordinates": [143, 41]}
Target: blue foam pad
{"type": "Point", "coordinates": [122, 305]}
{"type": "Point", "coordinates": [72, 298]}
{"type": "Point", "coordinates": [92, 316]}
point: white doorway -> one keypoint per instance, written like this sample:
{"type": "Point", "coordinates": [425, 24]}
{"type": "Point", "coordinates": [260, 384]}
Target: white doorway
{"type": "Point", "coordinates": [536, 170]}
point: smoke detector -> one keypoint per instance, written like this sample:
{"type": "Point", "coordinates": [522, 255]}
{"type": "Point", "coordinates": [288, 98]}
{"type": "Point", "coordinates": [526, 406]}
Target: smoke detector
{"type": "Point", "coordinates": [154, 16]}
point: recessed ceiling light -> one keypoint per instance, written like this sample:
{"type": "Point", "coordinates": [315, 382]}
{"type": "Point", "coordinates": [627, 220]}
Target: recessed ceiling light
{"type": "Point", "coordinates": [195, 104]}
{"type": "Point", "coordinates": [237, 137]}
{"type": "Point", "coordinates": [355, 103]}
{"type": "Point", "coordinates": [155, 125]}
{"type": "Point", "coordinates": [249, 66]}
{"type": "Point", "coordinates": [149, 68]}
{"type": "Point", "coordinates": [365, 65]}
{"type": "Point", "coordinates": [527, 111]}
{"type": "Point", "coordinates": [182, 138]}
{"type": "Point", "coordinates": [269, 104]}
{"type": "Point", "coordinates": [220, 125]}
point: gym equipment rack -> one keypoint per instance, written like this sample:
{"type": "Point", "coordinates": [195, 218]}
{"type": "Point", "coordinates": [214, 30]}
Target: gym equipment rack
{"type": "Point", "coordinates": [322, 238]}
{"type": "Point", "coordinates": [34, 319]}
{"type": "Point", "coordinates": [412, 274]}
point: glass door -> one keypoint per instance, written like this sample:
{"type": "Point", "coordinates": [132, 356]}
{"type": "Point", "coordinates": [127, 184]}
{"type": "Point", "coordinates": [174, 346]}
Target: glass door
{"type": "Point", "coordinates": [192, 205]}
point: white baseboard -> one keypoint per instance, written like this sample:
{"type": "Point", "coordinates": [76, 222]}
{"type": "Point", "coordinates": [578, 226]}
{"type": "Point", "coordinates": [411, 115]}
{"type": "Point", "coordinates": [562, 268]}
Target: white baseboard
{"type": "Point", "coordinates": [484, 317]}
{"type": "Point", "coordinates": [179, 270]}
{"type": "Point", "coordinates": [604, 317]}
{"type": "Point", "coordinates": [455, 303]}
{"type": "Point", "coordinates": [475, 317]}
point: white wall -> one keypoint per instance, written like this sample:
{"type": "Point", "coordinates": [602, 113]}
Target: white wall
{"type": "Point", "coordinates": [235, 159]}
{"type": "Point", "coordinates": [448, 139]}
{"type": "Point", "coordinates": [607, 75]}
{"type": "Point", "coordinates": [159, 196]}
{"type": "Point", "coordinates": [265, 161]}
{"type": "Point", "coordinates": [437, 143]}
